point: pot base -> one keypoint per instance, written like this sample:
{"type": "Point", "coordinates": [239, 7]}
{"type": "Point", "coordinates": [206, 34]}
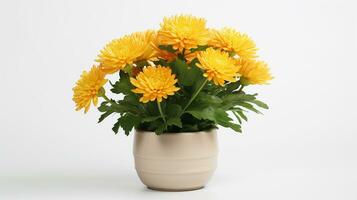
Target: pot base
{"type": "Point", "coordinates": [175, 190]}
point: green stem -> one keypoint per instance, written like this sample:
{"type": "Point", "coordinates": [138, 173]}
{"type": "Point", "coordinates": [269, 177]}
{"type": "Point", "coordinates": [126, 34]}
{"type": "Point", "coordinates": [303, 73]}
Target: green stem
{"type": "Point", "coordinates": [105, 97]}
{"type": "Point", "coordinates": [193, 97]}
{"type": "Point", "coordinates": [161, 113]}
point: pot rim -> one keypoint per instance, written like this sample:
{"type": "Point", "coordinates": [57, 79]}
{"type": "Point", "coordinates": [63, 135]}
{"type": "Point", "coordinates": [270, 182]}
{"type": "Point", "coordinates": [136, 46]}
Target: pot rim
{"type": "Point", "coordinates": [213, 130]}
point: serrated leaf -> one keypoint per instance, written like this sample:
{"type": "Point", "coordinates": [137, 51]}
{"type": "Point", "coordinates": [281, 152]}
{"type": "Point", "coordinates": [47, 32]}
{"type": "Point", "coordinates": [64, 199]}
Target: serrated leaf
{"type": "Point", "coordinates": [249, 107]}
{"type": "Point", "coordinates": [116, 127]}
{"type": "Point", "coordinates": [237, 117]}
{"type": "Point", "coordinates": [221, 116]}
{"type": "Point", "coordinates": [150, 119]}
{"type": "Point", "coordinates": [206, 113]}
{"type": "Point", "coordinates": [151, 109]}
{"type": "Point", "coordinates": [224, 120]}
{"type": "Point", "coordinates": [206, 125]}
{"type": "Point", "coordinates": [160, 129]}
{"type": "Point", "coordinates": [173, 110]}
{"type": "Point", "coordinates": [235, 127]}
{"type": "Point", "coordinates": [123, 85]}
{"type": "Point", "coordinates": [260, 104]}
{"type": "Point", "coordinates": [103, 107]}
{"type": "Point", "coordinates": [186, 75]}
{"type": "Point", "coordinates": [132, 98]}
{"type": "Point", "coordinates": [190, 127]}
{"type": "Point", "coordinates": [127, 122]}
{"type": "Point", "coordinates": [126, 106]}
{"type": "Point", "coordinates": [238, 97]}
{"type": "Point", "coordinates": [174, 121]}
{"type": "Point", "coordinates": [241, 114]}
{"type": "Point", "coordinates": [231, 100]}
{"type": "Point", "coordinates": [207, 99]}
{"type": "Point", "coordinates": [105, 115]}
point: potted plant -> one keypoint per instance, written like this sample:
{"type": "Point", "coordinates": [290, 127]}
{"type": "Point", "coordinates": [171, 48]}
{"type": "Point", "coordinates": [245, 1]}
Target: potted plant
{"type": "Point", "coordinates": [176, 86]}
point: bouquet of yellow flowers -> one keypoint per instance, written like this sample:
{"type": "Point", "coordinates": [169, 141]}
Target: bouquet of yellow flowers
{"type": "Point", "coordinates": [184, 77]}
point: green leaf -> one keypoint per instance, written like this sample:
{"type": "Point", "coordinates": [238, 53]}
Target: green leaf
{"type": "Point", "coordinates": [127, 107]}
{"type": "Point", "coordinates": [221, 116]}
{"type": "Point", "coordinates": [123, 85]}
{"type": "Point", "coordinates": [127, 122]}
{"type": "Point", "coordinates": [167, 48]}
{"type": "Point", "coordinates": [160, 129]}
{"type": "Point", "coordinates": [241, 114]}
{"type": "Point", "coordinates": [190, 128]}
{"type": "Point", "coordinates": [260, 104]}
{"type": "Point", "coordinates": [237, 116]}
{"type": "Point", "coordinates": [173, 110]}
{"type": "Point", "coordinates": [198, 83]}
{"type": "Point", "coordinates": [151, 109]}
{"type": "Point", "coordinates": [230, 87]}
{"type": "Point", "coordinates": [187, 75]}
{"type": "Point", "coordinates": [224, 120]}
{"type": "Point", "coordinates": [235, 127]}
{"type": "Point", "coordinates": [132, 98]}
{"type": "Point", "coordinates": [174, 121]}
{"type": "Point", "coordinates": [207, 99]}
{"type": "Point", "coordinates": [131, 103]}
{"type": "Point", "coordinates": [199, 48]}
{"type": "Point", "coordinates": [150, 119]}
{"type": "Point", "coordinates": [234, 99]}
{"type": "Point", "coordinates": [206, 113]}
{"type": "Point", "coordinates": [154, 124]}
{"type": "Point", "coordinates": [103, 107]}
{"type": "Point", "coordinates": [249, 107]}
{"type": "Point", "coordinates": [206, 125]}
{"type": "Point", "coordinates": [105, 115]}
{"type": "Point", "coordinates": [238, 97]}
{"type": "Point", "coordinates": [116, 127]}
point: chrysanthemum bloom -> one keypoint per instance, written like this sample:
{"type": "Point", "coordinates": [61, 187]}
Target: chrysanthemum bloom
{"type": "Point", "coordinates": [254, 72]}
{"type": "Point", "coordinates": [126, 50]}
{"type": "Point", "coordinates": [189, 56]}
{"type": "Point", "coordinates": [163, 54]}
{"type": "Point", "coordinates": [233, 41]}
{"type": "Point", "coordinates": [155, 83]}
{"type": "Point", "coordinates": [87, 88]}
{"type": "Point", "coordinates": [218, 66]}
{"type": "Point", "coordinates": [183, 32]}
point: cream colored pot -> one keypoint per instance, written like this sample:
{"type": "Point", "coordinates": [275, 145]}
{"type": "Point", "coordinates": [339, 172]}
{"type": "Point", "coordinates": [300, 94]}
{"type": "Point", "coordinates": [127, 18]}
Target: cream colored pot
{"type": "Point", "coordinates": [175, 161]}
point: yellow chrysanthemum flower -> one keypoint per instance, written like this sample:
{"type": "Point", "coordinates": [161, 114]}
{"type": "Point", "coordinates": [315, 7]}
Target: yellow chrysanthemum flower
{"type": "Point", "coordinates": [189, 56]}
{"type": "Point", "coordinates": [87, 88]}
{"type": "Point", "coordinates": [234, 41]}
{"type": "Point", "coordinates": [183, 32]}
{"type": "Point", "coordinates": [155, 83]}
{"type": "Point", "coordinates": [254, 72]}
{"type": "Point", "coordinates": [218, 66]}
{"type": "Point", "coordinates": [126, 50]}
{"type": "Point", "coordinates": [164, 54]}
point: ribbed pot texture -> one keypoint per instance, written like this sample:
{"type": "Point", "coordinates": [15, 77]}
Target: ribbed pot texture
{"type": "Point", "coordinates": [175, 161]}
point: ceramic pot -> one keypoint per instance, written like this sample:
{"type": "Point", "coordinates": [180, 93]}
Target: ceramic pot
{"type": "Point", "coordinates": [175, 161]}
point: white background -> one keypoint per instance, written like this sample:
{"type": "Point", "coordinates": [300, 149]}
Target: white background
{"type": "Point", "coordinates": [304, 147]}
